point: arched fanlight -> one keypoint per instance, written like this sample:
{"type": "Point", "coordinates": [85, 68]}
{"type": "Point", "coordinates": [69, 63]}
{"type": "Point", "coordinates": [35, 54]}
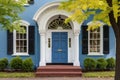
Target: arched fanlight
{"type": "Point", "coordinates": [59, 23]}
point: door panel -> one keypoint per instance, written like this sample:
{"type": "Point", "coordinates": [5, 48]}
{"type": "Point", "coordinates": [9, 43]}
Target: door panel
{"type": "Point", "coordinates": [59, 47]}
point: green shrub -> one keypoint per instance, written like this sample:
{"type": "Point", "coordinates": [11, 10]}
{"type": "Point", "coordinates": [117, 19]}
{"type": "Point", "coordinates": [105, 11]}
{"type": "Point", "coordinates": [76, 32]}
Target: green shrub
{"type": "Point", "coordinates": [3, 63]}
{"type": "Point", "coordinates": [27, 65]}
{"type": "Point", "coordinates": [111, 63]}
{"type": "Point", "coordinates": [90, 64]}
{"type": "Point", "coordinates": [101, 64]}
{"type": "Point", "coordinates": [16, 63]}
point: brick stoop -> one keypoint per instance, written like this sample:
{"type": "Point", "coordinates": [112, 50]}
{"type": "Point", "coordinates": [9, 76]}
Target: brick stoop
{"type": "Point", "coordinates": [58, 71]}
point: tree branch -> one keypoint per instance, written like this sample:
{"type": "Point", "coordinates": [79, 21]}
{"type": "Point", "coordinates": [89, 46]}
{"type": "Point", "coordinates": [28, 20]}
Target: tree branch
{"type": "Point", "coordinates": [112, 20]}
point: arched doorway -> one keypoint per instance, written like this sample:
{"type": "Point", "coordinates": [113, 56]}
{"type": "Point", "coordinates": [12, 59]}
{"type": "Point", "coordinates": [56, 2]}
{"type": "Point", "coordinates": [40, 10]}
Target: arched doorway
{"type": "Point", "coordinates": [59, 42]}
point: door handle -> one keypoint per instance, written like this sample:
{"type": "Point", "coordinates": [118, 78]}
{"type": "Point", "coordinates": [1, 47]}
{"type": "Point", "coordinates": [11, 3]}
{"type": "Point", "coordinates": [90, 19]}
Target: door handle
{"type": "Point", "coordinates": [59, 50]}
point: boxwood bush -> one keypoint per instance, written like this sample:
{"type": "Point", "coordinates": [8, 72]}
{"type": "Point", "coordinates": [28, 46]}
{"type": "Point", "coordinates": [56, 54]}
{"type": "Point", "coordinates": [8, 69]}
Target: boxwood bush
{"type": "Point", "coordinates": [90, 64]}
{"type": "Point", "coordinates": [27, 65]}
{"type": "Point", "coordinates": [101, 64]}
{"type": "Point", "coordinates": [16, 63]}
{"type": "Point", "coordinates": [111, 63]}
{"type": "Point", "coordinates": [3, 63]}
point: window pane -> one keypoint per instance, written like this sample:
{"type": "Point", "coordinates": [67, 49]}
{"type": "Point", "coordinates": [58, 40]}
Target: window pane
{"type": "Point", "coordinates": [17, 36]}
{"type": "Point", "coordinates": [98, 35]}
{"type": "Point", "coordinates": [94, 40]}
{"type": "Point", "coordinates": [98, 42]}
{"type": "Point", "coordinates": [24, 36]}
{"type": "Point", "coordinates": [21, 41]}
{"type": "Point", "coordinates": [17, 43]}
{"type": "Point", "coordinates": [21, 36]}
{"type": "Point", "coordinates": [25, 43]}
{"type": "Point", "coordinates": [17, 49]}
{"type": "Point", "coordinates": [90, 42]}
{"type": "Point", "coordinates": [21, 49]}
{"type": "Point", "coordinates": [25, 49]}
{"type": "Point", "coordinates": [91, 35]}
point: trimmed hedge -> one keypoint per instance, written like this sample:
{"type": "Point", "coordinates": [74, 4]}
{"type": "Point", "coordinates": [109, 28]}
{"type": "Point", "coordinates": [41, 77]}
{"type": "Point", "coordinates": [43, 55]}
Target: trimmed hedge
{"type": "Point", "coordinates": [111, 63]}
{"type": "Point", "coordinates": [16, 63]}
{"type": "Point", "coordinates": [3, 63]}
{"type": "Point", "coordinates": [101, 64]}
{"type": "Point", "coordinates": [90, 64]}
{"type": "Point", "coordinates": [27, 65]}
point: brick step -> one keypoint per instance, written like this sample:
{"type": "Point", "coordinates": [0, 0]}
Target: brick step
{"type": "Point", "coordinates": [58, 69]}
{"type": "Point", "coordinates": [61, 67]}
{"type": "Point", "coordinates": [58, 74]}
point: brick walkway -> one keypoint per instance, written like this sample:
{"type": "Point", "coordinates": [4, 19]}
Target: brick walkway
{"type": "Point", "coordinates": [57, 78]}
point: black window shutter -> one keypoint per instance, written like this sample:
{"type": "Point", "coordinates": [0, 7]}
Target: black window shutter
{"type": "Point", "coordinates": [84, 39]}
{"type": "Point", "coordinates": [9, 42]}
{"type": "Point", "coordinates": [31, 43]}
{"type": "Point", "coordinates": [106, 39]}
{"type": "Point", "coordinates": [31, 2]}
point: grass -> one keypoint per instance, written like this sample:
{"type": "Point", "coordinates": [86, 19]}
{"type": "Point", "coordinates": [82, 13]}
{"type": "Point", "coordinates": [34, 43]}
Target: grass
{"type": "Point", "coordinates": [103, 74]}
{"type": "Point", "coordinates": [17, 74]}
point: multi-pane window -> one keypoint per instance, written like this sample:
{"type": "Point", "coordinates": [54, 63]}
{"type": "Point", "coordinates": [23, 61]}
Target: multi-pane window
{"type": "Point", "coordinates": [94, 41]}
{"type": "Point", "coordinates": [22, 41]}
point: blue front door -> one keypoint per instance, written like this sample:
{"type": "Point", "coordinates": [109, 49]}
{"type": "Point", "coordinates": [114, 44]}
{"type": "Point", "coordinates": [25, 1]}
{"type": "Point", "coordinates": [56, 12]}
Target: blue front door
{"type": "Point", "coordinates": [59, 47]}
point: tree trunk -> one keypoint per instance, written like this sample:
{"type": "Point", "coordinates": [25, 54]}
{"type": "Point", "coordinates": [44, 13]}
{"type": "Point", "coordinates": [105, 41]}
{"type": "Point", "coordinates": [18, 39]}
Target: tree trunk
{"type": "Point", "coordinates": [116, 28]}
{"type": "Point", "coordinates": [117, 69]}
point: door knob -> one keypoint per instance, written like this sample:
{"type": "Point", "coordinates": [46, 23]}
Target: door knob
{"type": "Point", "coordinates": [59, 50]}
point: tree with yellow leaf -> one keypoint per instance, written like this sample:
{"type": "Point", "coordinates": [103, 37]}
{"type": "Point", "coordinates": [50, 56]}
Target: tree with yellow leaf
{"type": "Point", "coordinates": [109, 13]}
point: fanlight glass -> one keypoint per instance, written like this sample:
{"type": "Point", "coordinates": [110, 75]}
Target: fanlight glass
{"type": "Point", "coordinates": [59, 23]}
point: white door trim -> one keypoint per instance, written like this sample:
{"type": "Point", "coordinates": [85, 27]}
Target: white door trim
{"type": "Point", "coordinates": [42, 17]}
{"type": "Point", "coordinates": [49, 49]}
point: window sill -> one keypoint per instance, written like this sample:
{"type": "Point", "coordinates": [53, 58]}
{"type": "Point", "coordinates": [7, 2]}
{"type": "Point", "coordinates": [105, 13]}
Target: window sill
{"type": "Point", "coordinates": [26, 5]}
{"type": "Point", "coordinates": [95, 54]}
{"type": "Point", "coordinates": [20, 54]}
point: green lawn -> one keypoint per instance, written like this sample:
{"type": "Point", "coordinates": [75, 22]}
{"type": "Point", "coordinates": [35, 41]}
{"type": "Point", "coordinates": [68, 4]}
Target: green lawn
{"type": "Point", "coordinates": [32, 74]}
{"type": "Point", "coordinates": [17, 74]}
{"type": "Point", "coordinates": [99, 74]}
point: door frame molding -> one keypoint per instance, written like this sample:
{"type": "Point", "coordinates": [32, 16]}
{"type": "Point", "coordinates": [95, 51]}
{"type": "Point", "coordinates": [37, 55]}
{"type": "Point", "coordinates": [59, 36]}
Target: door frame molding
{"type": "Point", "coordinates": [42, 17]}
{"type": "Point", "coordinates": [49, 50]}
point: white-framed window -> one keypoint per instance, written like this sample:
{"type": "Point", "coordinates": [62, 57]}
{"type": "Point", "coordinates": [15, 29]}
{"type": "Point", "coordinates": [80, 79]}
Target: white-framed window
{"type": "Point", "coordinates": [95, 41]}
{"type": "Point", "coordinates": [20, 40]}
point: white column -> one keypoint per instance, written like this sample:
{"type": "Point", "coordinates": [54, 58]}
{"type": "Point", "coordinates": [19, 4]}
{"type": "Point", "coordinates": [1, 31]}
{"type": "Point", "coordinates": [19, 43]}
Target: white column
{"type": "Point", "coordinates": [76, 49]}
{"type": "Point", "coordinates": [42, 50]}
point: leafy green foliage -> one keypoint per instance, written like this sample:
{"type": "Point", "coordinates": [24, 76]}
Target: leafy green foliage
{"type": "Point", "coordinates": [27, 65]}
{"type": "Point", "coordinates": [111, 63]}
{"type": "Point", "coordinates": [101, 64]}
{"type": "Point", "coordinates": [90, 64]}
{"type": "Point", "coordinates": [9, 13]}
{"type": "Point", "coordinates": [16, 63]}
{"type": "Point", "coordinates": [3, 63]}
